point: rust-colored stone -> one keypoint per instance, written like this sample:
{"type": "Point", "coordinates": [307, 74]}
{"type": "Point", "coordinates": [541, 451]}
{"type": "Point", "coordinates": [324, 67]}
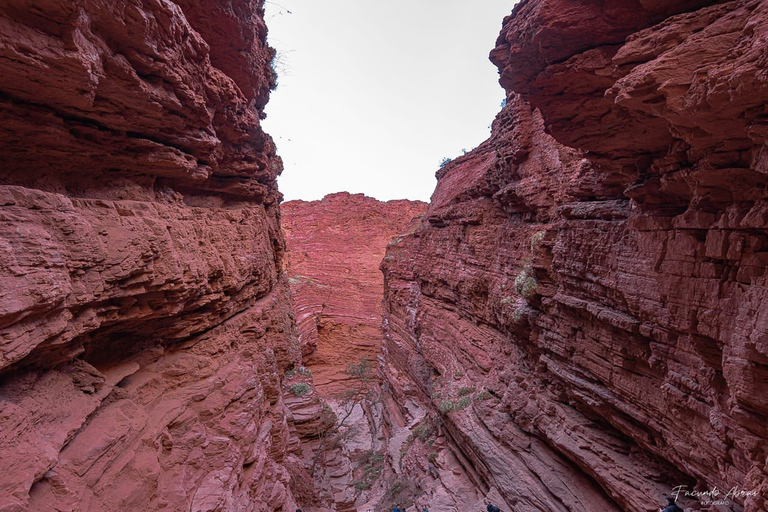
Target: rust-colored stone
{"type": "Point", "coordinates": [334, 250]}
{"type": "Point", "coordinates": [145, 324]}
{"type": "Point", "coordinates": [598, 266]}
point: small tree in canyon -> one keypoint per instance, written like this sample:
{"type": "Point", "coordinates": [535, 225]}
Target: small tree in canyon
{"type": "Point", "coordinates": [360, 392]}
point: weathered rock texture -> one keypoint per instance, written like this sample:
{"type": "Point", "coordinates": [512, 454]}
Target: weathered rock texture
{"type": "Point", "coordinates": [593, 276]}
{"type": "Point", "coordinates": [334, 250]}
{"type": "Point", "coordinates": [144, 322]}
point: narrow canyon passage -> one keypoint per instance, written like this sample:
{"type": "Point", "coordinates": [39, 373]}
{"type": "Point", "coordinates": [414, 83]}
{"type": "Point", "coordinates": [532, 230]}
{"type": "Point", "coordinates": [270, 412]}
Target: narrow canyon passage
{"type": "Point", "coordinates": [577, 320]}
{"type": "Point", "coordinates": [378, 454]}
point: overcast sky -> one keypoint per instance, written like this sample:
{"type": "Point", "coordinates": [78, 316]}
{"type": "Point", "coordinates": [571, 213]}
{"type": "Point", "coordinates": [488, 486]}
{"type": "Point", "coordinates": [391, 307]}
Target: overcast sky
{"type": "Point", "coordinates": [372, 95]}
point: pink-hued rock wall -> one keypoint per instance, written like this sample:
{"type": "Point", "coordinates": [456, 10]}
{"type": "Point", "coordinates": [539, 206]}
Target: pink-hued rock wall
{"type": "Point", "coordinates": [334, 248]}
{"type": "Point", "coordinates": [145, 322]}
{"type": "Point", "coordinates": [593, 276]}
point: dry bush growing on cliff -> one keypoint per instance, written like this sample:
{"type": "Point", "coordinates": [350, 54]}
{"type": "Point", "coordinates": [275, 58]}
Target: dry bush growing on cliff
{"type": "Point", "coordinates": [484, 395]}
{"type": "Point", "coordinates": [401, 493]}
{"type": "Point", "coordinates": [424, 430]}
{"type": "Point", "coordinates": [447, 406]}
{"type": "Point", "coordinates": [360, 393]}
{"type": "Point", "coordinates": [525, 283]}
{"type": "Point", "coordinates": [466, 391]}
{"type": "Point", "coordinates": [300, 389]}
{"type": "Point", "coordinates": [372, 465]}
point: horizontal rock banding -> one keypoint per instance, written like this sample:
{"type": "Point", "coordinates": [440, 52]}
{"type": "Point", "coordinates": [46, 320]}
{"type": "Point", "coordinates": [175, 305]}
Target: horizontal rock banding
{"type": "Point", "coordinates": [145, 324]}
{"type": "Point", "coordinates": [598, 265]}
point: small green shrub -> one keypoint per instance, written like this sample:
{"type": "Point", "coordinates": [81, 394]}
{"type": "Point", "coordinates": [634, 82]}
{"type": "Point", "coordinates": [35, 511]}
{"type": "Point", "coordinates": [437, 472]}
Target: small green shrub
{"type": "Point", "coordinates": [445, 406]}
{"type": "Point", "coordinates": [518, 315]}
{"type": "Point", "coordinates": [445, 161]}
{"type": "Point", "coordinates": [373, 465]}
{"type": "Point", "coordinates": [432, 456]}
{"type": "Point", "coordinates": [525, 283]}
{"type": "Point", "coordinates": [362, 485]}
{"type": "Point", "coordinates": [507, 300]}
{"type": "Point", "coordinates": [436, 395]}
{"type": "Point", "coordinates": [484, 395]}
{"type": "Point", "coordinates": [458, 375]}
{"type": "Point", "coordinates": [400, 493]}
{"type": "Point", "coordinates": [466, 391]}
{"type": "Point", "coordinates": [304, 371]}
{"type": "Point", "coordinates": [423, 431]}
{"type": "Point", "coordinates": [536, 240]}
{"type": "Point", "coordinates": [300, 389]}
{"type": "Point", "coordinates": [362, 371]}
{"type": "Point", "coordinates": [463, 403]}
{"type": "Point", "coordinates": [290, 373]}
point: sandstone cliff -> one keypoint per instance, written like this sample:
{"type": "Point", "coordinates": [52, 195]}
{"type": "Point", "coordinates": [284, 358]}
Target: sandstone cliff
{"type": "Point", "coordinates": [586, 299]}
{"type": "Point", "coordinates": [144, 321]}
{"type": "Point", "coordinates": [334, 248]}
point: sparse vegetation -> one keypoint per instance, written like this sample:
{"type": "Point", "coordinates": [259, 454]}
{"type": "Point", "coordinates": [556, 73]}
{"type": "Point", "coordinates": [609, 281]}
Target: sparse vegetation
{"type": "Point", "coordinates": [436, 395]}
{"type": "Point", "coordinates": [400, 493]}
{"type": "Point", "coordinates": [359, 393]}
{"type": "Point", "coordinates": [447, 406]}
{"type": "Point", "coordinates": [362, 485]}
{"type": "Point", "coordinates": [300, 370]}
{"type": "Point", "coordinates": [466, 391]}
{"type": "Point", "coordinates": [424, 430]}
{"type": "Point", "coordinates": [432, 457]}
{"type": "Point", "coordinates": [372, 465]}
{"type": "Point", "coordinates": [536, 240]}
{"type": "Point", "coordinates": [463, 403]}
{"type": "Point", "coordinates": [273, 74]}
{"type": "Point", "coordinates": [445, 161]}
{"type": "Point", "coordinates": [484, 395]}
{"type": "Point", "coordinates": [525, 283]}
{"type": "Point", "coordinates": [300, 389]}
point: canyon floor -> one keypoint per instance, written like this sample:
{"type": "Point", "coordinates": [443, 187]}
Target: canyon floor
{"type": "Point", "coordinates": [577, 320]}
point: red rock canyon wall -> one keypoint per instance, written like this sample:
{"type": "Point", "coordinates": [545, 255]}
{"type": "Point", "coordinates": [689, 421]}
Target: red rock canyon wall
{"type": "Point", "coordinates": [144, 323]}
{"type": "Point", "coordinates": [334, 248]}
{"type": "Point", "coordinates": [593, 277]}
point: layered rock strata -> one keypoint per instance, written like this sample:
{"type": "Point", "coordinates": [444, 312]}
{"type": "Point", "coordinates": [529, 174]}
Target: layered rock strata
{"type": "Point", "coordinates": [585, 300]}
{"type": "Point", "coordinates": [334, 250]}
{"type": "Point", "coordinates": [145, 323]}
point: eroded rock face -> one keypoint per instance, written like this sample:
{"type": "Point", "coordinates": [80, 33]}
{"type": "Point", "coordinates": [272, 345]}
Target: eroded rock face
{"type": "Point", "coordinates": [145, 323]}
{"type": "Point", "coordinates": [593, 277]}
{"type": "Point", "coordinates": [334, 249]}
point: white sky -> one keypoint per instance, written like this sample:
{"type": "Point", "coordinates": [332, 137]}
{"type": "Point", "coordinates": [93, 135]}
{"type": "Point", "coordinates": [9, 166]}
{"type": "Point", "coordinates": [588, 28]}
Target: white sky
{"type": "Point", "coordinates": [373, 94]}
